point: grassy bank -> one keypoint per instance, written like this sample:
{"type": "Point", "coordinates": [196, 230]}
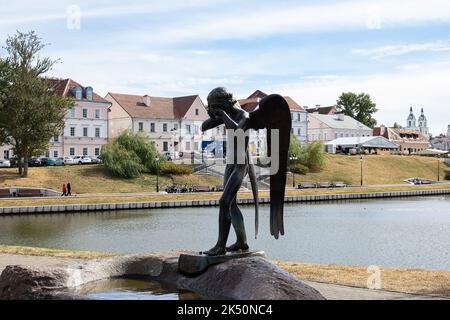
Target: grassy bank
{"type": "Point", "coordinates": [16, 202]}
{"type": "Point", "coordinates": [96, 179]}
{"type": "Point", "coordinates": [418, 281]}
{"type": "Point", "coordinates": [377, 169]}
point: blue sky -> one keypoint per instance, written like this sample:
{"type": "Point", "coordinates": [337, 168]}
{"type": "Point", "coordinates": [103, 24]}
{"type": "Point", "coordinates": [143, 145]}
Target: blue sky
{"type": "Point", "coordinates": [397, 51]}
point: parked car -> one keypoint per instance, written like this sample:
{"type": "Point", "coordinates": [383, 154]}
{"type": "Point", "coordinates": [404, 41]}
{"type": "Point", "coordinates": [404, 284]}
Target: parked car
{"type": "Point", "coordinates": [68, 160]}
{"type": "Point", "coordinates": [13, 162]}
{"type": "Point", "coordinates": [59, 162]}
{"type": "Point", "coordinates": [5, 164]}
{"type": "Point", "coordinates": [82, 160]}
{"type": "Point", "coordinates": [96, 159]}
{"type": "Point", "coordinates": [44, 161]}
{"type": "Point", "coordinates": [34, 162]}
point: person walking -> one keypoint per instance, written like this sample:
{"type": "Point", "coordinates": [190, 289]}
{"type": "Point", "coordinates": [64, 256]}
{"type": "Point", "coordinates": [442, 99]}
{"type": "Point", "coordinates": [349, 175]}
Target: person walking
{"type": "Point", "coordinates": [69, 189]}
{"type": "Point", "coordinates": [64, 190]}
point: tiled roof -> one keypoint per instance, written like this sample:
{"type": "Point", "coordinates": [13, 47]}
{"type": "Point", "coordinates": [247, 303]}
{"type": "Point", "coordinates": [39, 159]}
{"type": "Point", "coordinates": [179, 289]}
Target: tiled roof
{"type": "Point", "coordinates": [63, 88]}
{"type": "Point", "coordinates": [400, 134]}
{"type": "Point", "coordinates": [368, 142]}
{"type": "Point", "coordinates": [332, 121]}
{"type": "Point", "coordinates": [252, 101]}
{"type": "Point", "coordinates": [160, 108]}
{"type": "Point", "coordinates": [322, 110]}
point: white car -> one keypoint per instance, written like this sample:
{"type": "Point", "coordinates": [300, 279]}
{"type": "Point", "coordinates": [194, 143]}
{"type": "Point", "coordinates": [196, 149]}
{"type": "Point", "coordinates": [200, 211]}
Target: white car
{"type": "Point", "coordinates": [68, 160]}
{"type": "Point", "coordinates": [86, 160]}
{"type": "Point", "coordinates": [5, 164]}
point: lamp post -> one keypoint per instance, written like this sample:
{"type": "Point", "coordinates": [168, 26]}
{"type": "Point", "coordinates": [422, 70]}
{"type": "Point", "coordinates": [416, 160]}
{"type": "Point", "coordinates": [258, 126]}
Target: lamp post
{"type": "Point", "coordinates": [157, 174]}
{"type": "Point", "coordinates": [293, 158]}
{"type": "Point", "coordinates": [361, 161]}
{"type": "Point", "coordinates": [438, 158]}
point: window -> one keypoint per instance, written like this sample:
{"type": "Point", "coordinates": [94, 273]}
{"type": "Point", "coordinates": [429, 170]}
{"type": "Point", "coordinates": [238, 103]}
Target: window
{"type": "Point", "coordinates": [165, 146]}
{"type": "Point", "coordinates": [292, 130]}
{"type": "Point", "coordinates": [141, 126]}
{"type": "Point", "coordinates": [85, 113]}
{"type": "Point", "coordinates": [85, 151]}
{"type": "Point", "coordinates": [6, 154]}
{"type": "Point", "coordinates": [164, 127]}
{"type": "Point", "coordinates": [342, 135]}
{"type": "Point", "coordinates": [55, 154]}
{"type": "Point", "coordinates": [85, 132]}
{"type": "Point", "coordinates": [97, 151]}
{"type": "Point", "coordinates": [72, 151]}
{"type": "Point", "coordinates": [188, 129]}
{"type": "Point", "coordinates": [298, 116]}
{"type": "Point", "coordinates": [195, 129]}
{"type": "Point", "coordinates": [325, 136]}
{"type": "Point", "coordinates": [89, 93]}
{"type": "Point", "coordinates": [299, 132]}
{"type": "Point", "coordinates": [97, 113]}
{"type": "Point", "coordinates": [72, 131]}
{"type": "Point", "coordinates": [196, 146]}
{"type": "Point", "coordinates": [175, 126]}
{"type": "Point", "coordinates": [188, 145]}
{"type": "Point", "coordinates": [346, 135]}
{"type": "Point", "coordinates": [56, 138]}
{"type": "Point", "coordinates": [152, 127]}
{"type": "Point", "coordinates": [336, 135]}
{"type": "Point", "coordinates": [47, 154]}
{"type": "Point", "coordinates": [97, 132]}
{"type": "Point", "coordinates": [72, 112]}
{"type": "Point", "coordinates": [196, 112]}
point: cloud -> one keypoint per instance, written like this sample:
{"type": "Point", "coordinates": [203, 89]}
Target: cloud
{"type": "Point", "coordinates": [402, 49]}
{"type": "Point", "coordinates": [266, 20]}
{"type": "Point", "coordinates": [423, 86]}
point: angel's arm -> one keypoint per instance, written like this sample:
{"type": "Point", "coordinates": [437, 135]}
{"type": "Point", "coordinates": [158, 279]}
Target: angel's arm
{"type": "Point", "coordinates": [211, 123]}
{"type": "Point", "coordinates": [231, 124]}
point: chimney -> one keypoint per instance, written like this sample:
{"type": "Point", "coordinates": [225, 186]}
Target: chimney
{"type": "Point", "coordinates": [147, 101]}
{"type": "Point", "coordinates": [382, 130]}
{"type": "Point", "coordinates": [340, 116]}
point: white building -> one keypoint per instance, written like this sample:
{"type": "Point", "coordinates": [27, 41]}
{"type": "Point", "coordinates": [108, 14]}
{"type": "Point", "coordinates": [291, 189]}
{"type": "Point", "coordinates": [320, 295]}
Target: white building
{"type": "Point", "coordinates": [422, 121]}
{"type": "Point", "coordinates": [327, 127]}
{"type": "Point", "coordinates": [172, 124]}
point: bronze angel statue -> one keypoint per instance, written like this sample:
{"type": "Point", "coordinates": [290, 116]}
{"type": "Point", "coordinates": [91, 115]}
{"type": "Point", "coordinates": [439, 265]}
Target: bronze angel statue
{"type": "Point", "coordinates": [272, 114]}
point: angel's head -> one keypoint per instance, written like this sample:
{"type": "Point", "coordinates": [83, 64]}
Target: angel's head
{"type": "Point", "coordinates": [220, 98]}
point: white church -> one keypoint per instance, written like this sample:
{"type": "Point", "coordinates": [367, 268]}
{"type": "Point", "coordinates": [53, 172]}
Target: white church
{"type": "Point", "coordinates": [411, 123]}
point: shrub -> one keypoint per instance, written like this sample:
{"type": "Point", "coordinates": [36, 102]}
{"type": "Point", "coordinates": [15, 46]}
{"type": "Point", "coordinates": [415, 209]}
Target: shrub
{"type": "Point", "coordinates": [121, 162]}
{"type": "Point", "coordinates": [175, 169]}
{"type": "Point", "coordinates": [314, 156]}
{"type": "Point", "coordinates": [130, 155]}
{"type": "Point", "coordinates": [298, 168]}
{"type": "Point", "coordinates": [447, 175]}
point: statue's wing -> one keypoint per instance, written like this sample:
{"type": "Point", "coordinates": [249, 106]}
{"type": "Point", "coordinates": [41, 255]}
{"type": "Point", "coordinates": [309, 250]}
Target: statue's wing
{"type": "Point", "coordinates": [274, 114]}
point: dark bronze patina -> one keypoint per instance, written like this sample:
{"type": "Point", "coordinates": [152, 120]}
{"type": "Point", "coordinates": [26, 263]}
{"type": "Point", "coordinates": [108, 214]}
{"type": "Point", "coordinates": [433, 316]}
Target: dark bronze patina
{"type": "Point", "coordinates": [273, 113]}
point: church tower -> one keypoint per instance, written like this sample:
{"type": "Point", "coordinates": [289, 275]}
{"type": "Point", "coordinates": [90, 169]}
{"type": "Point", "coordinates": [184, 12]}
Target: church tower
{"type": "Point", "coordinates": [423, 127]}
{"type": "Point", "coordinates": [411, 120]}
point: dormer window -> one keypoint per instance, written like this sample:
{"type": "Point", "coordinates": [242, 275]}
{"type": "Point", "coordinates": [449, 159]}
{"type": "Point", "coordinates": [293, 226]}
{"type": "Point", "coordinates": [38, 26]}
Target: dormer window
{"type": "Point", "coordinates": [78, 93]}
{"type": "Point", "coordinates": [89, 93]}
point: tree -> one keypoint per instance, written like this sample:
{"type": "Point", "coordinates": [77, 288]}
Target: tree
{"type": "Point", "coordinates": [397, 126]}
{"type": "Point", "coordinates": [30, 112]}
{"type": "Point", "coordinates": [295, 150]}
{"type": "Point", "coordinates": [358, 106]}
{"type": "Point", "coordinates": [130, 155]}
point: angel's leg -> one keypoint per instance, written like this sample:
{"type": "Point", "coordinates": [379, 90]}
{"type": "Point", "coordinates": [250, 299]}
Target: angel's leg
{"type": "Point", "coordinates": [238, 224]}
{"type": "Point", "coordinates": [229, 194]}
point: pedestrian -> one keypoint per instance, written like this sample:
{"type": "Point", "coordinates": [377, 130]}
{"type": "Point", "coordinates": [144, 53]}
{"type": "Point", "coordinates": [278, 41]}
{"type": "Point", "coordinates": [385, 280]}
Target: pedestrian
{"type": "Point", "coordinates": [64, 190]}
{"type": "Point", "coordinates": [69, 189]}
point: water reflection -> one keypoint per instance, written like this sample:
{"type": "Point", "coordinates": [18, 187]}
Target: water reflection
{"type": "Point", "coordinates": [408, 232]}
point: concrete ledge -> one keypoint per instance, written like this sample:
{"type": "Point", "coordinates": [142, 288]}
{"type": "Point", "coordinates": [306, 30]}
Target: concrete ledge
{"type": "Point", "coordinates": [206, 203]}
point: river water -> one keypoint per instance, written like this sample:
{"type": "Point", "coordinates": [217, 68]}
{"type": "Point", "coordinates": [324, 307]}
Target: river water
{"type": "Point", "coordinates": [407, 232]}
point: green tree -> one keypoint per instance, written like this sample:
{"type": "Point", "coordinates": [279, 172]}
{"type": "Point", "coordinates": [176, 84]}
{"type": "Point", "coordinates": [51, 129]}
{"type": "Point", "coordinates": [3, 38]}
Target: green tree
{"type": "Point", "coordinates": [314, 156]}
{"type": "Point", "coordinates": [130, 155]}
{"type": "Point", "coordinates": [30, 112]}
{"type": "Point", "coordinates": [358, 106]}
{"type": "Point", "coordinates": [295, 150]}
{"type": "Point", "coordinates": [397, 126]}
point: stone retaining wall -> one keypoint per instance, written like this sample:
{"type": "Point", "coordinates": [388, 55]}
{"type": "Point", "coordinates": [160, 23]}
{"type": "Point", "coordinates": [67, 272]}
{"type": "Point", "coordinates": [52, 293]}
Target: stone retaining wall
{"type": "Point", "coordinates": [206, 203]}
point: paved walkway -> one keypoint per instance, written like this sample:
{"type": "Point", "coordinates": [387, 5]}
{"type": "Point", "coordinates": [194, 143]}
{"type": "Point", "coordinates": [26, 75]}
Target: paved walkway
{"type": "Point", "coordinates": [329, 291]}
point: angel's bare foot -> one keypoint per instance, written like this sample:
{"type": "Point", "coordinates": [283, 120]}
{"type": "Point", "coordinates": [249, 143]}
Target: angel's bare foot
{"type": "Point", "coordinates": [237, 246]}
{"type": "Point", "coordinates": [216, 251]}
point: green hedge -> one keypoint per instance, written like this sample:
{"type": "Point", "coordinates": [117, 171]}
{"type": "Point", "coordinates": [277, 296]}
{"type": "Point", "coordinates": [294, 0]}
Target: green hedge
{"type": "Point", "coordinates": [447, 175]}
{"type": "Point", "coordinates": [299, 169]}
{"type": "Point", "coordinates": [171, 168]}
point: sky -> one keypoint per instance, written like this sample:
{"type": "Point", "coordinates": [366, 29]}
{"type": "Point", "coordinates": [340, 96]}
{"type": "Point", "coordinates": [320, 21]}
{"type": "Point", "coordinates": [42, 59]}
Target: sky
{"type": "Point", "coordinates": [397, 51]}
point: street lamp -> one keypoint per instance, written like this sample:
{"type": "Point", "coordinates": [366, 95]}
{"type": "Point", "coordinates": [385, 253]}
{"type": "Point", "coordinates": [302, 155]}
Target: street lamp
{"type": "Point", "coordinates": [438, 158]}
{"type": "Point", "coordinates": [157, 174]}
{"type": "Point", "coordinates": [361, 161]}
{"type": "Point", "coordinates": [293, 158]}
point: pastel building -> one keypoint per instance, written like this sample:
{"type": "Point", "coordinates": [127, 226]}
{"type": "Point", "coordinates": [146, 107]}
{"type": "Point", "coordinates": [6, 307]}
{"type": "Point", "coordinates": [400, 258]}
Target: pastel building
{"type": "Point", "coordinates": [172, 124]}
{"type": "Point", "coordinates": [86, 123]}
{"type": "Point", "coordinates": [327, 127]}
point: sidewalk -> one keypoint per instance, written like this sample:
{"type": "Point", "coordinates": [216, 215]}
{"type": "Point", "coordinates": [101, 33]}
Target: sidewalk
{"type": "Point", "coordinates": [329, 291]}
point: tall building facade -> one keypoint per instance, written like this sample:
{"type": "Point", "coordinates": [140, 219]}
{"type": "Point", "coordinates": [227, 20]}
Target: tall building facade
{"type": "Point", "coordinates": [421, 124]}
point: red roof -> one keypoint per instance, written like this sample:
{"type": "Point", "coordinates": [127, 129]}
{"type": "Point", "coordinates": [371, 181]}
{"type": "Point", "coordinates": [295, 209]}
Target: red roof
{"type": "Point", "coordinates": [252, 101]}
{"type": "Point", "coordinates": [160, 108]}
{"type": "Point", "coordinates": [63, 88]}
